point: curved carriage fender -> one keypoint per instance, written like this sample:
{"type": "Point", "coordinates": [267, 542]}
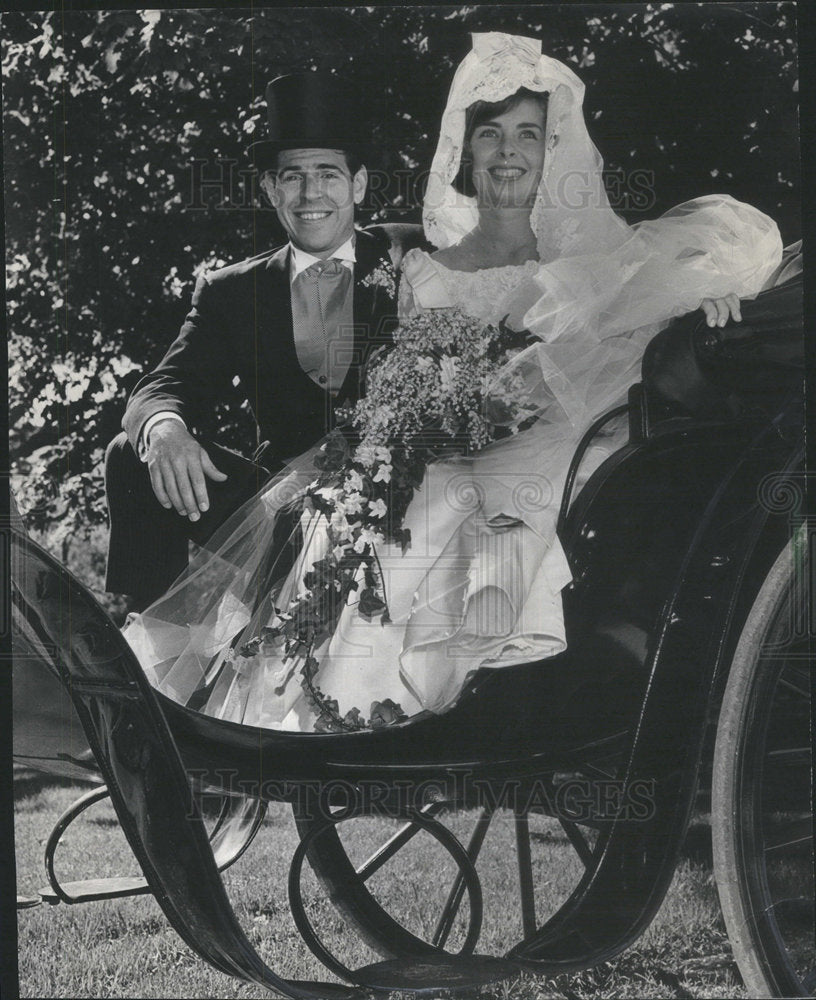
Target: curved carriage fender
{"type": "Point", "coordinates": [716, 578]}
{"type": "Point", "coordinates": [47, 734]}
{"type": "Point", "coordinates": [139, 761]}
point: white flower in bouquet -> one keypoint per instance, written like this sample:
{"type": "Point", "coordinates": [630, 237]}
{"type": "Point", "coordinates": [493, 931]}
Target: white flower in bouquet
{"type": "Point", "coordinates": [447, 373]}
{"type": "Point", "coordinates": [354, 481]}
{"type": "Point", "coordinates": [367, 537]}
{"type": "Point", "coordinates": [445, 386]}
{"type": "Point", "coordinates": [364, 454]}
{"type": "Point", "coordinates": [355, 502]}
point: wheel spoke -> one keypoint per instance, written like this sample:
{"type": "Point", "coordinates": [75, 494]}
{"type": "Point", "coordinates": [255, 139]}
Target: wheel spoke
{"type": "Point", "coordinates": [394, 844]}
{"type": "Point", "coordinates": [799, 684]}
{"type": "Point", "coordinates": [525, 867]}
{"type": "Point", "coordinates": [796, 832]}
{"type": "Point", "coordinates": [578, 841]}
{"type": "Point", "coordinates": [795, 904]}
{"type": "Point", "coordinates": [454, 900]}
{"type": "Point", "coordinates": [595, 770]}
{"type": "Point", "coordinates": [809, 982]}
{"type": "Point", "coordinates": [790, 755]}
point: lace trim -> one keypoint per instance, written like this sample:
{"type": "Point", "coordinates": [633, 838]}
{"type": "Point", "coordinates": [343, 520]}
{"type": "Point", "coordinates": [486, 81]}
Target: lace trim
{"type": "Point", "coordinates": [485, 293]}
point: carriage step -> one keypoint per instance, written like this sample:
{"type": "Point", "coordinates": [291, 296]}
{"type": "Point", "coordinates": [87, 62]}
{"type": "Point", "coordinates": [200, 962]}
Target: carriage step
{"type": "Point", "coordinates": [26, 902]}
{"type": "Point", "coordinates": [428, 975]}
{"type": "Point", "coordinates": [88, 890]}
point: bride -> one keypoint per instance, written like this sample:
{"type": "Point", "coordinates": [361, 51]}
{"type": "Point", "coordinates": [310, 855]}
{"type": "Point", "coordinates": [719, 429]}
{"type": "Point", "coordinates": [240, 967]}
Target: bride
{"type": "Point", "coordinates": [516, 206]}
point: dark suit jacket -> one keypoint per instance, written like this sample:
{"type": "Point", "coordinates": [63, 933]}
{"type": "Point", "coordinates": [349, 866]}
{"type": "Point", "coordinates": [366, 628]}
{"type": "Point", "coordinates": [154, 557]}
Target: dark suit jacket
{"type": "Point", "coordinates": [240, 324]}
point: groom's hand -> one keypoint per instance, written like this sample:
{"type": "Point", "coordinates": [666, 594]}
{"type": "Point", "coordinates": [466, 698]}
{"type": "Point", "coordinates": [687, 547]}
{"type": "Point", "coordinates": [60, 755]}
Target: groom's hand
{"type": "Point", "coordinates": [178, 464]}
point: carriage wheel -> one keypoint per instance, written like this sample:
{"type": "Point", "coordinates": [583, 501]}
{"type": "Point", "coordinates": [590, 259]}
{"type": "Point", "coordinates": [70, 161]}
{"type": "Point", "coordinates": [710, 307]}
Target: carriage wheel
{"type": "Point", "coordinates": [543, 859]}
{"type": "Point", "coordinates": [762, 814]}
{"type": "Point", "coordinates": [421, 822]}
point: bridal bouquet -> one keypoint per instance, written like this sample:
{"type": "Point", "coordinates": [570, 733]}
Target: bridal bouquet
{"type": "Point", "coordinates": [435, 394]}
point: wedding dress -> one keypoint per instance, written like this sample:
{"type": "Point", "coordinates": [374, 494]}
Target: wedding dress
{"type": "Point", "coordinates": [480, 584]}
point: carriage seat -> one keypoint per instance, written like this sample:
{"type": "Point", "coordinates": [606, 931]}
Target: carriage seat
{"type": "Point", "coordinates": [699, 374]}
{"type": "Point", "coordinates": [402, 237]}
{"type": "Point", "coordinates": [723, 372]}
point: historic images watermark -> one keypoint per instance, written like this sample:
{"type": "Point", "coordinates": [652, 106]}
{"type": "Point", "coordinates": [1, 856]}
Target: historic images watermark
{"type": "Point", "coordinates": [226, 184]}
{"type": "Point", "coordinates": [573, 798]}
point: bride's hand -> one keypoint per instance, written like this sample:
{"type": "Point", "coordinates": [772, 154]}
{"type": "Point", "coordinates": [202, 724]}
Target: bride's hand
{"type": "Point", "coordinates": [719, 311]}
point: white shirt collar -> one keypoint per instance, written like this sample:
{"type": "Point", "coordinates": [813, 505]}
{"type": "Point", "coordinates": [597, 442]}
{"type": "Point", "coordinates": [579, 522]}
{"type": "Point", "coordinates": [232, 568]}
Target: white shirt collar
{"type": "Point", "coordinates": [300, 259]}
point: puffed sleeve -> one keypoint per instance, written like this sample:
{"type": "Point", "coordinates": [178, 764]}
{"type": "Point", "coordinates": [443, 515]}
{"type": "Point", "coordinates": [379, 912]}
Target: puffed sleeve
{"type": "Point", "coordinates": [421, 287]}
{"type": "Point", "coordinates": [594, 314]}
{"type": "Point", "coordinates": [705, 248]}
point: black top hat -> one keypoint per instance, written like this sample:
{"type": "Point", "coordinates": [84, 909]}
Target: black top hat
{"type": "Point", "coordinates": [311, 111]}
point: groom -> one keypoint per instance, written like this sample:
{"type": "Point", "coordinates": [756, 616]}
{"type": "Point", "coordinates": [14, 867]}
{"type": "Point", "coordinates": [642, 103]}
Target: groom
{"type": "Point", "coordinates": [293, 326]}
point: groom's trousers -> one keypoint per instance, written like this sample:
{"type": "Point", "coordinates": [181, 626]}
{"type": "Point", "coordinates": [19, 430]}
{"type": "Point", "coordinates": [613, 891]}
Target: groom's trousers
{"type": "Point", "coordinates": [149, 544]}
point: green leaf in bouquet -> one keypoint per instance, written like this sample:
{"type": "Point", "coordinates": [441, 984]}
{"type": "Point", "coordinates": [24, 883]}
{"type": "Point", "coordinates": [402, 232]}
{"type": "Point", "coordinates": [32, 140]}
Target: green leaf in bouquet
{"type": "Point", "coordinates": [385, 713]}
{"type": "Point", "coordinates": [326, 724]}
{"type": "Point", "coordinates": [370, 604]}
{"type": "Point", "coordinates": [334, 452]}
{"type": "Point", "coordinates": [310, 667]}
{"type": "Point", "coordinates": [250, 649]}
{"type": "Point", "coordinates": [320, 503]}
{"type": "Point", "coordinates": [353, 719]}
{"type": "Point", "coordinates": [513, 339]}
{"type": "Point", "coordinates": [403, 538]}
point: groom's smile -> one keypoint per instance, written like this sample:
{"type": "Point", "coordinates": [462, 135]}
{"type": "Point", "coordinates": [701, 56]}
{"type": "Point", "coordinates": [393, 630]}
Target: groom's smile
{"type": "Point", "coordinates": [314, 193]}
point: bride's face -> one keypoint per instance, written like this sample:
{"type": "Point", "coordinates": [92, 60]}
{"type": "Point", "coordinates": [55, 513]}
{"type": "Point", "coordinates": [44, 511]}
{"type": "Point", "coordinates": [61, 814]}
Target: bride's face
{"type": "Point", "coordinates": [507, 154]}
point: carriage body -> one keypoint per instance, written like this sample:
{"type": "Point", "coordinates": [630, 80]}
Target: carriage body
{"type": "Point", "coordinates": [670, 542]}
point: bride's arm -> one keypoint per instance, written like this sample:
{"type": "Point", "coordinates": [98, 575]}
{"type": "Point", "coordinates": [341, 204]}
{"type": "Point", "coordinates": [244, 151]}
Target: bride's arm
{"type": "Point", "coordinates": [719, 311]}
{"type": "Point", "coordinates": [706, 249]}
{"type": "Point", "coordinates": [740, 246]}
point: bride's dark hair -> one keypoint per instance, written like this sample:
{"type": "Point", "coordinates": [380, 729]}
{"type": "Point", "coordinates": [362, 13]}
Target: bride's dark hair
{"type": "Point", "coordinates": [483, 111]}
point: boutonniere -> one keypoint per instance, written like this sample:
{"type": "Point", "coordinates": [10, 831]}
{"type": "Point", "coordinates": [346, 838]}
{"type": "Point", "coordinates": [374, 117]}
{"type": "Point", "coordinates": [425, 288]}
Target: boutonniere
{"type": "Point", "coordinates": [382, 276]}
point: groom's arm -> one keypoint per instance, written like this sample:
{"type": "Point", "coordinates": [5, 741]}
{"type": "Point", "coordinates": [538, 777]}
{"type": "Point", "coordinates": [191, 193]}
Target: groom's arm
{"type": "Point", "coordinates": [195, 373]}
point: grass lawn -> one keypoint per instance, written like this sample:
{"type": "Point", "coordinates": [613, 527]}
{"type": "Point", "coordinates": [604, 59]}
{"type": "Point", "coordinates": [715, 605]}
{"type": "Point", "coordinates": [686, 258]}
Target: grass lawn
{"type": "Point", "coordinates": [126, 948]}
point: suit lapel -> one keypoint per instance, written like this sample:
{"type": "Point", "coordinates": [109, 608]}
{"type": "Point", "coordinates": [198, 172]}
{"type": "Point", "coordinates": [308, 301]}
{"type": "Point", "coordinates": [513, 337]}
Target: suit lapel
{"type": "Point", "coordinates": [297, 397]}
{"type": "Point", "coordinates": [370, 300]}
{"type": "Point", "coordinates": [372, 306]}
{"type": "Point", "coordinates": [273, 309]}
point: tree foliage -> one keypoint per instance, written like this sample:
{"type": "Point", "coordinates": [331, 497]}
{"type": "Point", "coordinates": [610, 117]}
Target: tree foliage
{"type": "Point", "coordinates": [125, 168]}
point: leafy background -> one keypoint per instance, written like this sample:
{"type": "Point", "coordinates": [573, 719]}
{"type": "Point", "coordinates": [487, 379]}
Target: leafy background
{"type": "Point", "coordinates": [125, 170]}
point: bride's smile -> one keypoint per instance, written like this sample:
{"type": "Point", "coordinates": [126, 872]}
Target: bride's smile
{"type": "Point", "coordinates": [507, 173]}
{"type": "Point", "coordinates": [507, 153]}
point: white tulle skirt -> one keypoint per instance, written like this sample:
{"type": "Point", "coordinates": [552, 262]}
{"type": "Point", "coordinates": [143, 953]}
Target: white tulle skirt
{"type": "Point", "coordinates": [480, 584]}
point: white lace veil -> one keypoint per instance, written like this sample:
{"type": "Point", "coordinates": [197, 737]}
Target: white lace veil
{"type": "Point", "coordinates": [571, 214]}
{"type": "Point", "coordinates": [602, 287]}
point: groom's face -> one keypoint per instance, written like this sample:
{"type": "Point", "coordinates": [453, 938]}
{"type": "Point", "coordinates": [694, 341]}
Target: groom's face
{"type": "Point", "coordinates": [314, 193]}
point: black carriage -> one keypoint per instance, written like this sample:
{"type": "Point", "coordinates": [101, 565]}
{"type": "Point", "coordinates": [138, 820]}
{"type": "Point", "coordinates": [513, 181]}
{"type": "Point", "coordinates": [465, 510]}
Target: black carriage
{"type": "Point", "coordinates": [688, 613]}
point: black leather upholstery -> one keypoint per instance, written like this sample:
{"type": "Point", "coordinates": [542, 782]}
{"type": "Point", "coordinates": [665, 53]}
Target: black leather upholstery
{"type": "Point", "coordinates": [719, 371]}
